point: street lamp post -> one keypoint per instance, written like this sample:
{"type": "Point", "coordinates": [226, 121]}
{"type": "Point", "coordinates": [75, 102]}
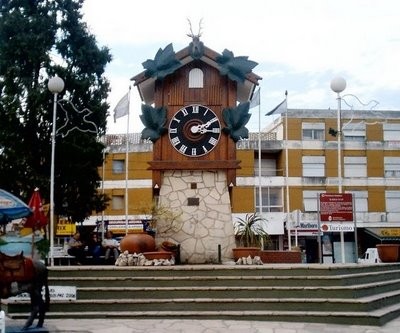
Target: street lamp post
{"type": "Point", "coordinates": [55, 85]}
{"type": "Point", "coordinates": [338, 84]}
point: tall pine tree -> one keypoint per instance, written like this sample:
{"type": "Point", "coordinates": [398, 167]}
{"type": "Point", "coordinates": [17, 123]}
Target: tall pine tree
{"type": "Point", "coordinates": [40, 39]}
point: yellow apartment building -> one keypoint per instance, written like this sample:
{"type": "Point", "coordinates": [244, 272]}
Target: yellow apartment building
{"type": "Point", "coordinates": [283, 171]}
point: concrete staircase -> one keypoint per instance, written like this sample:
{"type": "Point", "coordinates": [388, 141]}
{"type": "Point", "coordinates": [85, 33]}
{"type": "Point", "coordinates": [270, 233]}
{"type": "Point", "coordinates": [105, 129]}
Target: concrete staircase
{"type": "Point", "coordinates": [341, 294]}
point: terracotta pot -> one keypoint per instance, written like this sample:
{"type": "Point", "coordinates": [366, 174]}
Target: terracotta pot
{"type": "Point", "coordinates": [240, 252]}
{"type": "Point", "coordinates": [169, 246]}
{"type": "Point", "coordinates": [138, 243]}
{"type": "Point", "coordinates": [157, 255]}
{"type": "Point", "coordinates": [388, 252]}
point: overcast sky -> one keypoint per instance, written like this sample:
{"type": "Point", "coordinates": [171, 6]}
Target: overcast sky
{"type": "Point", "coordinates": [299, 45]}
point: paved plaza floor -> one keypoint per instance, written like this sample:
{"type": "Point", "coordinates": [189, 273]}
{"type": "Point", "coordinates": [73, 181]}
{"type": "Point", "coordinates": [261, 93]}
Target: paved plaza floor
{"type": "Point", "coordinates": [106, 325]}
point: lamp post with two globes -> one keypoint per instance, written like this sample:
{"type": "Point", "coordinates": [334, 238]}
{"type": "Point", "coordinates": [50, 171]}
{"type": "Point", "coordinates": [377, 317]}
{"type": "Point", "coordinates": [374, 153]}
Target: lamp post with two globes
{"type": "Point", "coordinates": [55, 85]}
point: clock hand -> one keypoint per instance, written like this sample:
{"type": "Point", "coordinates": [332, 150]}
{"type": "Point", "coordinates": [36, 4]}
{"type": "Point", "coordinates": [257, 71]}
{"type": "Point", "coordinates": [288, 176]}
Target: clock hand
{"type": "Point", "coordinates": [208, 123]}
{"type": "Point", "coordinates": [205, 130]}
{"type": "Point", "coordinates": [203, 127]}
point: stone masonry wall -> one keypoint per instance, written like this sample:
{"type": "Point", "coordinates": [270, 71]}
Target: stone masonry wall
{"type": "Point", "coordinates": [202, 200]}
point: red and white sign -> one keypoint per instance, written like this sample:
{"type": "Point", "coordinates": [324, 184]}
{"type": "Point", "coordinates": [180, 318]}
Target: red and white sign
{"type": "Point", "coordinates": [337, 227]}
{"type": "Point", "coordinates": [336, 207]}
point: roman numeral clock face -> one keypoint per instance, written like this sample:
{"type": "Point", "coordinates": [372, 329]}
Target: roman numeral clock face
{"type": "Point", "coordinates": [194, 130]}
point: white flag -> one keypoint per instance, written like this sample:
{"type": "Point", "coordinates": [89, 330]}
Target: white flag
{"type": "Point", "coordinates": [256, 99]}
{"type": "Point", "coordinates": [122, 108]}
{"type": "Point", "coordinates": [280, 108]}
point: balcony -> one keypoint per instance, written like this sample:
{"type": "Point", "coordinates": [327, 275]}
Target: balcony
{"type": "Point", "coordinates": [313, 180]}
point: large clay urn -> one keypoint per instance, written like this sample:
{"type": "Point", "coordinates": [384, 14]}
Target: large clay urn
{"type": "Point", "coordinates": [138, 243]}
{"type": "Point", "coordinates": [388, 252]}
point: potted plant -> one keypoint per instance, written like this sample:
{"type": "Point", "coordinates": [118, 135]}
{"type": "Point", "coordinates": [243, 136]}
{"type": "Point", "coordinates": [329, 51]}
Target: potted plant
{"type": "Point", "coordinates": [250, 235]}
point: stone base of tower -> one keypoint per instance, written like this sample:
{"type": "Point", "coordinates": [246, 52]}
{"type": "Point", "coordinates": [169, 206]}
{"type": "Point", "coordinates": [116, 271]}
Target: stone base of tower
{"type": "Point", "coordinates": [200, 202]}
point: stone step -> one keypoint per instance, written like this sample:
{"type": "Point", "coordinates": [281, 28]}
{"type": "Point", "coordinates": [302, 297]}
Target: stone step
{"type": "Point", "coordinates": [342, 294]}
{"type": "Point", "coordinates": [369, 303]}
{"type": "Point", "coordinates": [222, 280]}
{"type": "Point", "coordinates": [307, 270]}
{"type": "Point", "coordinates": [252, 291]}
{"type": "Point", "coordinates": [373, 318]}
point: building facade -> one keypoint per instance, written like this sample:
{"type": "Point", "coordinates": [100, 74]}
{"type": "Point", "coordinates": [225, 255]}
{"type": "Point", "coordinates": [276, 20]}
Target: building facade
{"type": "Point", "coordinates": [282, 173]}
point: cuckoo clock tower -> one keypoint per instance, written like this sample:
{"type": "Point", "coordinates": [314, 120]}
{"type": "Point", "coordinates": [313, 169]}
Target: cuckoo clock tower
{"type": "Point", "coordinates": [195, 110]}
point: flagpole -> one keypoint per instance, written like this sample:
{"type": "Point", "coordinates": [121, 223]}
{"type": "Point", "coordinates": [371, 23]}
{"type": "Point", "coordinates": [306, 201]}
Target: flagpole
{"type": "Point", "coordinates": [287, 177]}
{"type": "Point", "coordinates": [127, 165]}
{"type": "Point", "coordinates": [259, 156]}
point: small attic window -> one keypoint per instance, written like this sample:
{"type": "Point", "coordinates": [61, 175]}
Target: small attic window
{"type": "Point", "coordinates": [196, 78]}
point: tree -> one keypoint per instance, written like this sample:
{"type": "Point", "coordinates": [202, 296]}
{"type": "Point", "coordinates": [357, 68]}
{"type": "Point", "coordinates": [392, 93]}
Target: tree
{"type": "Point", "coordinates": [40, 39]}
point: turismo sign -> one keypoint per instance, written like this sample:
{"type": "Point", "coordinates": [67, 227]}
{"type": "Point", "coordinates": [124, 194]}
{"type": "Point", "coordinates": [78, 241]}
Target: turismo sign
{"type": "Point", "coordinates": [337, 227]}
{"type": "Point", "coordinates": [336, 207]}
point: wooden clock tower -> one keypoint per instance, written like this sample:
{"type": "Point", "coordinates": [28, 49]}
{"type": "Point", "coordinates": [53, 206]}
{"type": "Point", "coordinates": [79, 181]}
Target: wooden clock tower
{"type": "Point", "coordinates": [193, 116]}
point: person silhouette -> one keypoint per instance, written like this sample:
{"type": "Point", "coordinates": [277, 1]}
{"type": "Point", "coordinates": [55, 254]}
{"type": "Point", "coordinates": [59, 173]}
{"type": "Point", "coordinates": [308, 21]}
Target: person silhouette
{"type": "Point", "coordinates": [110, 245]}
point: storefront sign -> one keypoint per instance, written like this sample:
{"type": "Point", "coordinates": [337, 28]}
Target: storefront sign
{"type": "Point", "coordinates": [305, 229]}
{"type": "Point", "coordinates": [336, 207]}
{"type": "Point", "coordinates": [385, 232]}
{"type": "Point", "coordinates": [337, 227]}
{"type": "Point", "coordinates": [65, 229]}
{"type": "Point", "coordinates": [120, 226]}
{"type": "Point", "coordinates": [390, 232]}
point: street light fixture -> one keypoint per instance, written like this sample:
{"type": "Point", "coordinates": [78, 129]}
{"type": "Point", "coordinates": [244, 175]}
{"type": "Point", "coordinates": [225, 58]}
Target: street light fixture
{"type": "Point", "coordinates": [55, 85]}
{"type": "Point", "coordinates": [338, 84]}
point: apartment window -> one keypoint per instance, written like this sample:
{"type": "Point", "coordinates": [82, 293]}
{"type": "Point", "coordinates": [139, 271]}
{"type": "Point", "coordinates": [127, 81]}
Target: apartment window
{"type": "Point", "coordinates": [313, 131]}
{"type": "Point", "coordinates": [117, 202]}
{"type": "Point", "coordinates": [313, 166]}
{"type": "Point", "coordinates": [355, 166]}
{"type": "Point", "coordinates": [360, 199]}
{"type": "Point", "coordinates": [354, 132]}
{"type": "Point", "coordinates": [268, 167]}
{"type": "Point", "coordinates": [391, 132]}
{"type": "Point", "coordinates": [196, 77]}
{"type": "Point", "coordinates": [118, 166]}
{"type": "Point", "coordinates": [310, 200]}
{"type": "Point", "coordinates": [271, 199]}
{"type": "Point", "coordinates": [392, 166]}
{"type": "Point", "coordinates": [392, 201]}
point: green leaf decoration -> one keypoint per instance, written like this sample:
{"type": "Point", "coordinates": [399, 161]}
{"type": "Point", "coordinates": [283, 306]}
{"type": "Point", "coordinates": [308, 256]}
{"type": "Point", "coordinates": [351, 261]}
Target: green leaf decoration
{"type": "Point", "coordinates": [235, 67]}
{"type": "Point", "coordinates": [154, 120]}
{"type": "Point", "coordinates": [236, 119]}
{"type": "Point", "coordinates": [164, 63]}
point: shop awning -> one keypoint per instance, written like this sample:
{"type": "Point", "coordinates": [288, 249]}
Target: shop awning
{"type": "Point", "coordinates": [384, 234]}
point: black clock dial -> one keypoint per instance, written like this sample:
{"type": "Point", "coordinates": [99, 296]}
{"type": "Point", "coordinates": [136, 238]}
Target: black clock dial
{"type": "Point", "coordinates": [194, 130]}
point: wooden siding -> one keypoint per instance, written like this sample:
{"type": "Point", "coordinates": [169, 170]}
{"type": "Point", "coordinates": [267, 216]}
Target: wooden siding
{"type": "Point", "coordinates": [174, 93]}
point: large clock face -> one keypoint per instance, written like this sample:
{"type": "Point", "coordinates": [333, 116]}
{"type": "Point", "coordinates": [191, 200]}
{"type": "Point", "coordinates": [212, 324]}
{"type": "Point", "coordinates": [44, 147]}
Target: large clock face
{"type": "Point", "coordinates": [194, 130]}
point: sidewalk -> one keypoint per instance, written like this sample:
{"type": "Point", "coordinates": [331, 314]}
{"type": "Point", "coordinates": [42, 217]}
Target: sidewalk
{"type": "Point", "coordinates": [196, 326]}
